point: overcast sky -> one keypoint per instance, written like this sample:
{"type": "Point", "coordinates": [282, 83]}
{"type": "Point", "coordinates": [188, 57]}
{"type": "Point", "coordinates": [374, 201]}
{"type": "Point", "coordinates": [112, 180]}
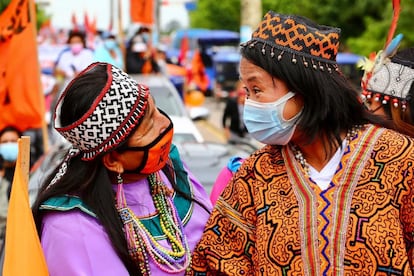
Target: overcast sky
{"type": "Point", "coordinates": [62, 10]}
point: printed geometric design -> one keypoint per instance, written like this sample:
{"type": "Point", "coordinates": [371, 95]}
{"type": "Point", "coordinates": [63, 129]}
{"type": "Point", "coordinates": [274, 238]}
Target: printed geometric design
{"type": "Point", "coordinates": [263, 224]}
{"type": "Point", "coordinates": [295, 34]}
{"type": "Point", "coordinates": [391, 79]}
{"type": "Point", "coordinates": [112, 116]}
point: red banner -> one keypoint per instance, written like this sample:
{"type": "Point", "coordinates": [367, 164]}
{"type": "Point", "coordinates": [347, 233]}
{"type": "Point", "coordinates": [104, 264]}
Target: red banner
{"type": "Point", "coordinates": [21, 97]}
{"type": "Point", "coordinates": [142, 11]}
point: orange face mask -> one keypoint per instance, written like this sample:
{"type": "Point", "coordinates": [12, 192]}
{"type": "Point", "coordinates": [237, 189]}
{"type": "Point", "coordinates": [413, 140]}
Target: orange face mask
{"type": "Point", "coordinates": [155, 154]}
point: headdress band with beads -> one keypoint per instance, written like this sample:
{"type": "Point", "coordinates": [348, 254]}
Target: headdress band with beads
{"type": "Point", "coordinates": [387, 78]}
{"type": "Point", "coordinates": [316, 46]}
{"type": "Point", "coordinates": [113, 115]}
{"type": "Point", "coordinates": [391, 79]}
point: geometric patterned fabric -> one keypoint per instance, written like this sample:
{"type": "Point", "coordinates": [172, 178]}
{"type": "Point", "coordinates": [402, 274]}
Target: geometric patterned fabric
{"type": "Point", "coordinates": [391, 79]}
{"type": "Point", "coordinates": [298, 35]}
{"type": "Point", "coordinates": [272, 219]}
{"type": "Point", "coordinates": [113, 115]}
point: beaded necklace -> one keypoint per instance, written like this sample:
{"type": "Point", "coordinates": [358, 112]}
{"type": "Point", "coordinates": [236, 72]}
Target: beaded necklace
{"type": "Point", "coordinates": [142, 243]}
{"type": "Point", "coordinates": [351, 134]}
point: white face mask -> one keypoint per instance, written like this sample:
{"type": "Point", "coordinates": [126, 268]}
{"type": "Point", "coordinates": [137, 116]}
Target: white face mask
{"type": "Point", "coordinates": [265, 122]}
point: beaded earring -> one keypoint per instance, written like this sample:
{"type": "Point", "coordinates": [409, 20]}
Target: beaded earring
{"type": "Point", "coordinates": [120, 197]}
{"type": "Point", "coordinates": [64, 166]}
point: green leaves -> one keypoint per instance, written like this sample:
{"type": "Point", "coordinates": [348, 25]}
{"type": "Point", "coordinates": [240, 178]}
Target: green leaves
{"type": "Point", "coordinates": [364, 23]}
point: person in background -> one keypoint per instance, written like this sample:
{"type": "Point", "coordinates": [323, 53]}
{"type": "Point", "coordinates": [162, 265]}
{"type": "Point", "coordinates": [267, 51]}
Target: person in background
{"type": "Point", "coordinates": [109, 51]}
{"type": "Point", "coordinates": [8, 155]}
{"type": "Point", "coordinates": [196, 73]}
{"type": "Point", "coordinates": [161, 59]}
{"type": "Point", "coordinates": [224, 177]}
{"type": "Point", "coordinates": [121, 202]}
{"type": "Point", "coordinates": [388, 88]}
{"type": "Point", "coordinates": [233, 111]}
{"type": "Point", "coordinates": [4, 203]}
{"type": "Point", "coordinates": [9, 150]}
{"type": "Point", "coordinates": [331, 192]}
{"type": "Point", "coordinates": [140, 55]}
{"type": "Point", "coordinates": [140, 59]}
{"type": "Point", "coordinates": [69, 63]}
{"type": "Point", "coordinates": [72, 59]}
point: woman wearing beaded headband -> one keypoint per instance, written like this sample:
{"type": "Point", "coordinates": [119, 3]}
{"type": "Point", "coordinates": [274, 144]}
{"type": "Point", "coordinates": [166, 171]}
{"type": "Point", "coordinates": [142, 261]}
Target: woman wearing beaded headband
{"type": "Point", "coordinates": [121, 202]}
{"type": "Point", "coordinates": [331, 192]}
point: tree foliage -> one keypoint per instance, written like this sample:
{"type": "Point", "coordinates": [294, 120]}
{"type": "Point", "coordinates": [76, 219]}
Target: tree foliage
{"type": "Point", "coordinates": [364, 23]}
{"type": "Point", "coordinates": [213, 15]}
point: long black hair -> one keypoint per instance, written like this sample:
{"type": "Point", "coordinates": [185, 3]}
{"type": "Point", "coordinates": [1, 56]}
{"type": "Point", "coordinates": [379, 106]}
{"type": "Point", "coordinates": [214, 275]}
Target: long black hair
{"type": "Point", "coordinates": [331, 104]}
{"type": "Point", "coordinates": [90, 180]}
{"type": "Point", "coordinates": [87, 179]}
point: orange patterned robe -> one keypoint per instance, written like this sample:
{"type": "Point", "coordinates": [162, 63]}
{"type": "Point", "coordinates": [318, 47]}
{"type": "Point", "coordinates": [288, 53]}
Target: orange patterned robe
{"type": "Point", "coordinates": [273, 220]}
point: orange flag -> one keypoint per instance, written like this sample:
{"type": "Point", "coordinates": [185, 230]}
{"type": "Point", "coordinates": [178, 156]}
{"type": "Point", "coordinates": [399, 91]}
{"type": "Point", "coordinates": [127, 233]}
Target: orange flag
{"type": "Point", "coordinates": [142, 11]}
{"type": "Point", "coordinates": [23, 251]}
{"type": "Point", "coordinates": [21, 97]}
{"type": "Point", "coordinates": [198, 73]}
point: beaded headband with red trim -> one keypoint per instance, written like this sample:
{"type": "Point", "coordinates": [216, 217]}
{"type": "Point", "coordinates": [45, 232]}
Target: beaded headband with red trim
{"type": "Point", "coordinates": [386, 78]}
{"type": "Point", "coordinates": [315, 45]}
{"type": "Point", "coordinates": [117, 110]}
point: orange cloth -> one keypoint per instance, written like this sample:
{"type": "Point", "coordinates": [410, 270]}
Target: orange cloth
{"type": "Point", "coordinates": [142, 11]}
{"type": "Point", "coordinates": [272, 219]}
{"type": "Point", "coordinates": [147, 67]}
{"type": "Point", "coordinates": [21, 98]}
{"type": "Point", "coordinates": [23, 252]}
{"type": "Point", "coordinates": [198, 73]}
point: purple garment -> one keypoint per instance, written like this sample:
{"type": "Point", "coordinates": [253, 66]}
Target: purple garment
{"type": "Point", "coordinates": [75, 243]}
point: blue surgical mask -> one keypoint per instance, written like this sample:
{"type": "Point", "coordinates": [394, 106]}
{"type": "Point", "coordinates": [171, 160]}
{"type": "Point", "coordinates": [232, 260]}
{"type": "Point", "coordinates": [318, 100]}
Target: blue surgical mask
{"type": "Point", "coordinates": [110, 44]}
{"type": "Point", "coordinates": [265, 122]}
{"type": "Point", "coordinates": [9, 151]}
{"type": "Point", "coordinates": [146, 37]}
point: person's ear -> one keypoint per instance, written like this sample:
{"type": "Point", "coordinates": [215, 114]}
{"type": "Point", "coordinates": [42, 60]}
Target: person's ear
{"type": "Point", "coordinates": [112, 162]}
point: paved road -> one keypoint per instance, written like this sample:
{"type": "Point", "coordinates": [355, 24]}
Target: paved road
{"type": "Point", "coordinates": [211, 128]}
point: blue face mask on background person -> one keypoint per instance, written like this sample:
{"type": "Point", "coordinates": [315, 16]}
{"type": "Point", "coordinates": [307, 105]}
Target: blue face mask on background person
{"type": "Point", "coordinates": [9, 151]}
{"type": "Point", "coordinates": [110, 44]}
{"type": "Point", "coordinates": [265, 122]}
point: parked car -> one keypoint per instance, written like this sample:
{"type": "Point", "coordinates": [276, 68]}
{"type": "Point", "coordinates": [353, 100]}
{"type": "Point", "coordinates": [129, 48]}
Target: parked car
{"type": "Point", "coordinates": [206, 160]}
{"type": "Point", "coordinates": [167, 99]}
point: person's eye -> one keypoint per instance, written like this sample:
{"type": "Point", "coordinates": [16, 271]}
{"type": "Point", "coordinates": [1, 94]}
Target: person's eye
{"type": "Point", "coordinates": [256, 91]}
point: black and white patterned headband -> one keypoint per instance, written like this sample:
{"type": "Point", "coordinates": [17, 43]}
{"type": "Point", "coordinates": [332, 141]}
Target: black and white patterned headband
{"type": "Point", "coordinates": [113, 115]}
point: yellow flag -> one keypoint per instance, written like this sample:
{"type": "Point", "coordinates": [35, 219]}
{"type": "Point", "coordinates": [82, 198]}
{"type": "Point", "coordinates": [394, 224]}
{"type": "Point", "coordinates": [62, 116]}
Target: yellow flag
{"type": "Point", "coordinates": [23, 251]}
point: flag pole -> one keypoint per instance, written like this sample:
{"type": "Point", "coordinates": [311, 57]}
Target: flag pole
{"type": "Point", "coordinates": [24, 152]}
{"type": "Point", "coordinates": [45, 136]}
{"type": "Point", "coordinates": [121, 32]}
{"type": "Point", "coordinates": [111, 15]}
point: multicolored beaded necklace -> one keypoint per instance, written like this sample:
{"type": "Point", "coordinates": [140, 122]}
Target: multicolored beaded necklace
{"type": "Point", "coordinates": [351, 134]}
{"type": "Point", "coordinates": [142, 243]}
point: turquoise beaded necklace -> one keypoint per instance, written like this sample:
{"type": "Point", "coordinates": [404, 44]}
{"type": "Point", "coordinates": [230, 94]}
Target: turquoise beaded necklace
{"type": "Point", "coordinates": [142, 243]}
